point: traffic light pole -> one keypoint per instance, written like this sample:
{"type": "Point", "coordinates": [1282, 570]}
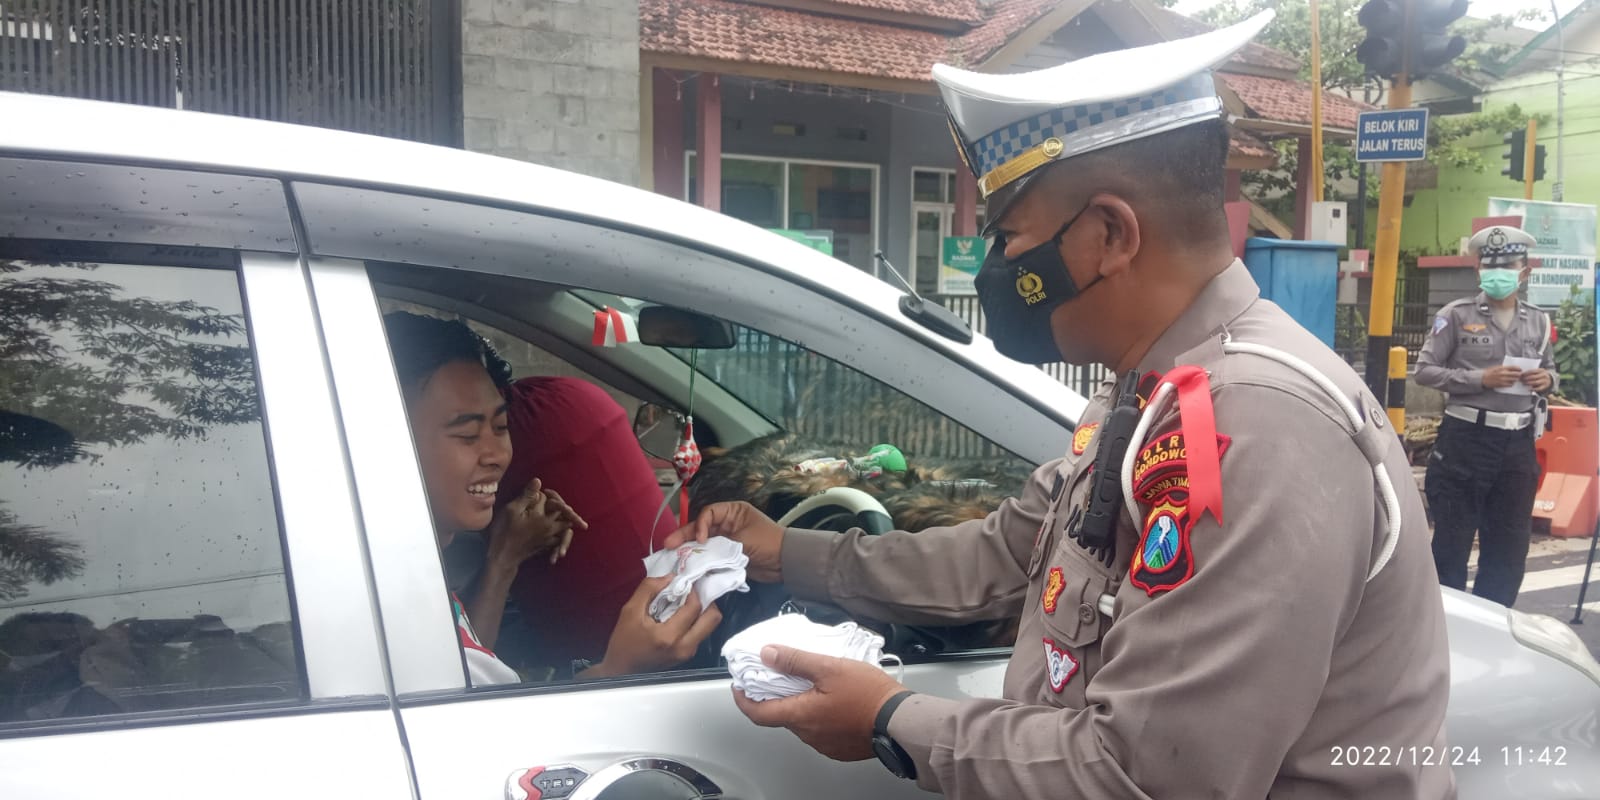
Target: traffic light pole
{"type": "Point", "coordinates": [1528, 152]}
{"type": "Point", "coordinates": [1386, 259]}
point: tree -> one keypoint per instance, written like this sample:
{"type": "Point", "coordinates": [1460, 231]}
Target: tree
{"type": "Point", "coordinates": [82, 367]}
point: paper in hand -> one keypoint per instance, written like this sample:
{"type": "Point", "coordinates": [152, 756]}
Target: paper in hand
{"type": "Point", "coordinates": [1524, 364]}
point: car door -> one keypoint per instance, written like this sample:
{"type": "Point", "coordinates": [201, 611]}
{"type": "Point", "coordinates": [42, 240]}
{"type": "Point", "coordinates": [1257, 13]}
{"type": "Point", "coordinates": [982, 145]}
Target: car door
{"type": "Point", "coordinates": [669, 735]}
{"type": "Point", "coordinates": [184, 605]}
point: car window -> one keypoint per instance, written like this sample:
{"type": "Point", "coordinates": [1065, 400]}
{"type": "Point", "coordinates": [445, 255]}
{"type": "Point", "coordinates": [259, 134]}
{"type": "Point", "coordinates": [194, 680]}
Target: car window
{"type": "Point", "coordinates": [141, 564]}
{"type": "Point", "coordinates": [829, 425]}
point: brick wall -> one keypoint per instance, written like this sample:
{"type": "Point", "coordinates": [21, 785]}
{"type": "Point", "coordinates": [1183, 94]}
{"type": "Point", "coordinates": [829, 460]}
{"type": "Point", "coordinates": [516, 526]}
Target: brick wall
{"type": "Point", "coordinates": [554, 82]}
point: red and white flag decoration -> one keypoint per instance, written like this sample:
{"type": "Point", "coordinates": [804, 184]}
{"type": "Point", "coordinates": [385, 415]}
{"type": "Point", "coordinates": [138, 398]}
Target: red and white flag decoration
{"type": "Point", "coordinates": [613, 327]}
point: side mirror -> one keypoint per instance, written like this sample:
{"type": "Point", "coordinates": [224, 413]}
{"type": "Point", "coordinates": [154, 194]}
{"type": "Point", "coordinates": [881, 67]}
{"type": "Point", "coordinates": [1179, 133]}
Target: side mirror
{"type": "Point", "coordinates": [664, 326]}
{"type": "Point", "coordinates": [657, 428]}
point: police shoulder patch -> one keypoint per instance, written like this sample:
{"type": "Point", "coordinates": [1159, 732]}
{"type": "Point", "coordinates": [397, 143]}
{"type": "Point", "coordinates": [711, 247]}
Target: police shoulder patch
{"type": "Point", "coordinates": [1060, 666]}
{"type": "Point", "coordinates": [1439, 324]}
{"type": "Point", "coordinates": [1163, 560]}
{"type": "Point", "coordinates": [1052, 590]}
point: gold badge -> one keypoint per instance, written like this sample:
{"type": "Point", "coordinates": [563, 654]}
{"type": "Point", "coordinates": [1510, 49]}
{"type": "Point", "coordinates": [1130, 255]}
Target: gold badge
{"type": "Point", "coordinates": [1080, 440]}
{"type": "Point", "coordinates": [1053, 147]}
{"type": "Point", "coordinates": [1052, 590]}
{"type": "Point", "coordinates": [1476, 327]}
{"type": "Point", "coordinates": [1030, 287]}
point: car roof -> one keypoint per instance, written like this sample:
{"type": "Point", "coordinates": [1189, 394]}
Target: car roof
{"type": "Point", "coordinates": [85, 129]}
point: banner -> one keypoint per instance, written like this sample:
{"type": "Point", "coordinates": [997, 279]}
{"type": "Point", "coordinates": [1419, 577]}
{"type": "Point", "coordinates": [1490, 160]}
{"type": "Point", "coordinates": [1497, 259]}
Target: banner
{"type": "Point", "coordinates": [821, 241]}
{"type": "Point", "coordinates": [1565, 249]}
{"type": "Point", "coordinates": [958, 264]}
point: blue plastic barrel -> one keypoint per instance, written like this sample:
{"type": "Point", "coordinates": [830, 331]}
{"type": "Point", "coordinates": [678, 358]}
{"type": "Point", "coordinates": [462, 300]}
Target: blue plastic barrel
{"type": "Point", "coordinates": [1301, 277]}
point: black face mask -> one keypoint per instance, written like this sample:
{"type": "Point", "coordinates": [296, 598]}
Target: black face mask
{"type": "Point", "coordinates": [1019, 294]}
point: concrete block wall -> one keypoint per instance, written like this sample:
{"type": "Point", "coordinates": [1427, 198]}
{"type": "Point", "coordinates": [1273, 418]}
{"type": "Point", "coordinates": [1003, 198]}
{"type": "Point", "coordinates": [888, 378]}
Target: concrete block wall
{"type": "Point", "coordinates": [554, 82]}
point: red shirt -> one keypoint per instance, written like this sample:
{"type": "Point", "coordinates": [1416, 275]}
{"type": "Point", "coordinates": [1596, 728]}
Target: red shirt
{"type": "Point", "coordinates": [575, 438]}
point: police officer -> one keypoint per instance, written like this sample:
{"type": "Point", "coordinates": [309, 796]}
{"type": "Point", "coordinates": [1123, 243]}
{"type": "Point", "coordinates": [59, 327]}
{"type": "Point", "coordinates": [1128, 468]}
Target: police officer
{"type": "Point", "coordinates": [1491, 355]}
{"type": "Point", "coordinates": [1211, 610]}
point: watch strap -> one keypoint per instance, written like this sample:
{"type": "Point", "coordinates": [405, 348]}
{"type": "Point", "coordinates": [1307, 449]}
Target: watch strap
{"type": "Point", "coordinates": [880, 724]}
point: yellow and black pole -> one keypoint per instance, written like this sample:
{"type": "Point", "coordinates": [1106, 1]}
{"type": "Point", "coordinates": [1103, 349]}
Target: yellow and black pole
{"type": "Point", "coordinates": [1397, 389]}
{"type": "Point", "coordinates": [1378, 18]}
{"type": "Point", "coordinates": [1528, 152]}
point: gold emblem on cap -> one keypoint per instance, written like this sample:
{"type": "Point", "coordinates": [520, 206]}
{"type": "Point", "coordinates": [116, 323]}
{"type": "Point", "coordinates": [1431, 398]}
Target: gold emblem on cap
{"type": "Point", "coordinates": [1025, 162]}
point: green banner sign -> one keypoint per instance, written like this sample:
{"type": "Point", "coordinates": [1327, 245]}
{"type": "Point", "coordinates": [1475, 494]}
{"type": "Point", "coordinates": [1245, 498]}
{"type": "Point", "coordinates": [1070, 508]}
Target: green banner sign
{"type": "Point", "coordinates": [1565, 245]}
{"type": "Point", "coordinates": [959, 262]}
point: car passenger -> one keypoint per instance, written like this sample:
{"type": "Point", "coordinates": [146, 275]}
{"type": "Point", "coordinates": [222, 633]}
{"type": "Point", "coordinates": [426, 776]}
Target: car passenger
{"type": "Point", "coordinates": [452, 381]}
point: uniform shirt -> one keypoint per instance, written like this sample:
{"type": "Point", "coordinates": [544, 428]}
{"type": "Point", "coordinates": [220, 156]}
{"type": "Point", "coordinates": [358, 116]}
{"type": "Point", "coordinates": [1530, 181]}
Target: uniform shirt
{"type": "Point", "coordinates": [1239, 682]}
{"type": "Point", "coordinates": [1466, 340]}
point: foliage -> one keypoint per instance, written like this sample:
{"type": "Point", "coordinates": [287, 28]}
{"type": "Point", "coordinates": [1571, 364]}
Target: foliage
{"type": "Point", "coordinates": [82, 365]}
{"type": "Point", "coordinates": [29, 553]}
{"type": "Point", "coordinates": [115, 370]}
{"type": "Point", "coordinates": [1575, 347]}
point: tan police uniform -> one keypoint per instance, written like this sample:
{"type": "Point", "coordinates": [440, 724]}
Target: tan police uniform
{"type": "Point", "coordinates": [1237, 653]}
{"type": "Point", "coordinates": [1249, 678]}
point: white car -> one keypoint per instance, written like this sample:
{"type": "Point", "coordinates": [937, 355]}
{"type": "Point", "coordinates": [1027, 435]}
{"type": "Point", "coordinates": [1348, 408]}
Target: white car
{"type": "Point", "coordinates": [218, 573]}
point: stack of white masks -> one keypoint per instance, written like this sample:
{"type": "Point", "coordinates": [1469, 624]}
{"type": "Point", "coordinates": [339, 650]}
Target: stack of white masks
{"type": "Point", "coordinates": [760, 682]}
{"type": "Point", "coordinates": [711, 569]}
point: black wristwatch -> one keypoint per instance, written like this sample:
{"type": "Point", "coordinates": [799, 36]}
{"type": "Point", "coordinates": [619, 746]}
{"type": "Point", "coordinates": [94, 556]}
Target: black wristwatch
{"type": "Point", "coordinates": [888, 751]}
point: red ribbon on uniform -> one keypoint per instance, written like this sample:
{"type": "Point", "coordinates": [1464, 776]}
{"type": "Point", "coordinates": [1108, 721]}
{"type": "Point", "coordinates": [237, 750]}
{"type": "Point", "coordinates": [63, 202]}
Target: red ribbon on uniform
{"type": "Point", "coordinates": [1197, 419]}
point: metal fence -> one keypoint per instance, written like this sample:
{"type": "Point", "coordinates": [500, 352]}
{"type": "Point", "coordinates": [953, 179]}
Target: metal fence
{"type": "Point", "coordinates": [1085, 380]}
{"type": "Point", "coordinates": [386, 67]}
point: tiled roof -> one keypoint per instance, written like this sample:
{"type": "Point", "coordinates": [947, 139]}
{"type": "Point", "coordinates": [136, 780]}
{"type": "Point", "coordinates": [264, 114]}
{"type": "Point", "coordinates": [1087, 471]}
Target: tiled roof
{"type": "Point", "coordinates": [1289, 101]}
{"type": "Point", "coordinates": [960, 10]}
{"type": "Point", "coordinates": [733, 31]}
{"type": "Point", "coordinates": [1243, 144]}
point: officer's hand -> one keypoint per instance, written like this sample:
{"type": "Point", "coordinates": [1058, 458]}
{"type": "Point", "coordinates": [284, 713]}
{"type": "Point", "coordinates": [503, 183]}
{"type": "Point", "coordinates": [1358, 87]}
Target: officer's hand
{"type": "Point", "coordinates": [1536, 379]}
{"type": "Point", "coordinates": [1502, 377]}
{"type": "Point", "coordinates": [834, 718]}
{"type": "Point", "coordinates": [744, 523]}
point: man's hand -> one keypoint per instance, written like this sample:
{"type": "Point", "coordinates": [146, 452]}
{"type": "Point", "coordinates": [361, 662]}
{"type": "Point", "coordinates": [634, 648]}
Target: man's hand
{"type": "Point", "coordinates": [835, 718]}
{"type": "Point", "coordinates": [1502, 377]}
{"type": "Point", "coordinates": [1537, 379]}
{"type": "Point", "coordinates": [640, 644]}
{"type": "Point", "coordinates": [762, 538]}
{"type": "Point", "coordinates": [536, 521]}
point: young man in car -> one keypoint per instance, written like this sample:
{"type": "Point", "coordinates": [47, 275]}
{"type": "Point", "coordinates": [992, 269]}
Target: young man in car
{"type": "Point", "coordinates": [1214, 614]}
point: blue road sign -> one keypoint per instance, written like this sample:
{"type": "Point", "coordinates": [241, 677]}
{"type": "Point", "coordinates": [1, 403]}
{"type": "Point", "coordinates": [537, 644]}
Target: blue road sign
{"type": "Point", "coordinates": [1398, 135]}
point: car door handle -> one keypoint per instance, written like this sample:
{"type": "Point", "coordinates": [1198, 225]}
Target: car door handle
{"type": "Point", "coordinates": [646, 776]}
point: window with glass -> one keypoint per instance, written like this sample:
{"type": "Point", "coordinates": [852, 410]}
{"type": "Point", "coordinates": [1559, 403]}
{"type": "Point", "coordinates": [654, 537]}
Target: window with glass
{"type": "Point", "coordinates": [762, 406]}
{"type": "Point", "coordinates": [832, 204]}
{"type": "Point", "coordinates": [933, 209]}
{"type": "Point", "coordinates": [141, 562]}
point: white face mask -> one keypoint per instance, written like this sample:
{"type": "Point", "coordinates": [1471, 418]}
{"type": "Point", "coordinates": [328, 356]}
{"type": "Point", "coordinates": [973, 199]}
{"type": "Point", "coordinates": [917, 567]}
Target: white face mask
{"type": "Point", "coordinates": [711, 570]}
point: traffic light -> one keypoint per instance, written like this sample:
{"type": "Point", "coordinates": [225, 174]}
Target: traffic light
{"type": "Point", "coordinates": [1538, 162]}
{"type": "Point", "coordinates": [1430, 45]}
{"type": "Point", "coordinates": [1382, 51]}
{"type": "Point", "coordinates": [1516, 153]}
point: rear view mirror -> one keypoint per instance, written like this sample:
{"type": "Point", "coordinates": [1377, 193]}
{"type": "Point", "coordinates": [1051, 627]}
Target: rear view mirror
{"type": "Point", "coordinates": [664, 326]}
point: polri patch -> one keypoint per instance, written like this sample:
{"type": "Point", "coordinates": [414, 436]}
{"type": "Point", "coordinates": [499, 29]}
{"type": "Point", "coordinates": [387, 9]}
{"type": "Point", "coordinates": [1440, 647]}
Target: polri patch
{"type": "Point", "coordinates": [1059, 664]}
{"type": "Point", "coordinates": [1164, 559]}
{"type": "Point", "coordinates": [1439, 324]}
{"type": "Point", "coordinates": [1052, 590]}
{"type": "Point", "coordinates": [1082, 437]}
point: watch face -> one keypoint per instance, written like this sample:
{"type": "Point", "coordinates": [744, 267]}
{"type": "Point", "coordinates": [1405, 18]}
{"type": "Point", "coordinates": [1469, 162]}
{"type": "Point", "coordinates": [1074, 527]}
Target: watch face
{"type": "Point", "coordinates": [892, 757]}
